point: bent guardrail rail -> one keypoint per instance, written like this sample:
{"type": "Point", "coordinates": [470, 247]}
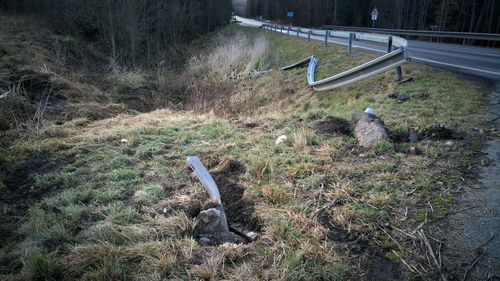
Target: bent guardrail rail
{"type": "Point", "coordinates": [393, 59]}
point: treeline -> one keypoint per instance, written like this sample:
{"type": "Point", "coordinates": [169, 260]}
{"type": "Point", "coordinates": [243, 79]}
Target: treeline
{"type": "Point", "coordinates": [445, 15]}
{"type": "Point", "coordinates": [131, 31]}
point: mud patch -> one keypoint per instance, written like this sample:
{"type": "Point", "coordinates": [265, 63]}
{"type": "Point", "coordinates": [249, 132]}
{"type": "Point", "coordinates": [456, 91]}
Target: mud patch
{"type": "Point", "coordinates": [333, 126]}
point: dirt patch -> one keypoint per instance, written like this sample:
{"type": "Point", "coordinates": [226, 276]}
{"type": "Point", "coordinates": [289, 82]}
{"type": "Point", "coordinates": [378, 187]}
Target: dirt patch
{"type": "Point", "coordinates": [333, 126]}
{"type": "Point", "coordinates": [22, 176]}
{"type": "Point", "coordinates": [228, 168]}
{"type": "Point", "coordinates": [371, 260]}
{"type": "Point", "coordinates": [400, 98]}
{"type": "Point", "coordinates": [438, 132]}
{"type": "Point", "coordinates": [239, 208]}
{"type": "Point", "coordinates": [20, 191]}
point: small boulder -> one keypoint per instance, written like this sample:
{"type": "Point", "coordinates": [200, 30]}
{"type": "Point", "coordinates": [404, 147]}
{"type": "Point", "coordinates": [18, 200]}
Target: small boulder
{"type": "Point", "coordinates": [368, 129]}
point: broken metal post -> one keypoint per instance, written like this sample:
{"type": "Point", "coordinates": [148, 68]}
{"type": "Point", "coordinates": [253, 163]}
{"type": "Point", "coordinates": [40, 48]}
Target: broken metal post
{"type": "Point", "coordinates": [208, 182]}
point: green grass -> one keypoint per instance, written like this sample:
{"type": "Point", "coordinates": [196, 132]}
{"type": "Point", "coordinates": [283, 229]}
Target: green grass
{"type": "Point", "coordinates": [101, 215]}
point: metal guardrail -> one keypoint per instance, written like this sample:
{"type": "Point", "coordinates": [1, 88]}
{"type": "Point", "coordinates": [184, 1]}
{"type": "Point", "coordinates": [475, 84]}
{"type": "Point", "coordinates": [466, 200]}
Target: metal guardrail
{"type": "Point", "coordinates": [425, 33]}
{"type": "Point", "coordinates": [393, 59]}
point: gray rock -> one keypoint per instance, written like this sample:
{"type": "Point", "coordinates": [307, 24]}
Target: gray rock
{"type": "Point", "coordinates": [368, 129]}
{"type": "Point", "coordinates": [209, 221]}
{"type": "Point", "coordinates": [210, 230]}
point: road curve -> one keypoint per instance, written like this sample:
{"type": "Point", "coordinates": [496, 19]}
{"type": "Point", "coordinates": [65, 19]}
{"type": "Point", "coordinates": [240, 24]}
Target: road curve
{"type": "Point", "coordinates": [477, 61]}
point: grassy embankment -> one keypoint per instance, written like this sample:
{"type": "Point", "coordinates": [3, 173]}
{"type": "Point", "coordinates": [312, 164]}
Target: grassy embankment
{"type": "Point", "coordinates": [93, 207]}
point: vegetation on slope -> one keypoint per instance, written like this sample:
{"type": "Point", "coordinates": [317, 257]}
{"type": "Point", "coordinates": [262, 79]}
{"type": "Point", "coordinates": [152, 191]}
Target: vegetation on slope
{"type": "Point", "coordinates": [113, 199]}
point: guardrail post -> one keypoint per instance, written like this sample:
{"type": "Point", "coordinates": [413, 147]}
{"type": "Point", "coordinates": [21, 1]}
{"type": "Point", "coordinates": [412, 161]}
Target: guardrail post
{"type": "Point", "coordinates": [298, 30]}
{"type": "Point", "coordinates": [349, 46]}
{"type": "Point", "coordinates": [288, 32]}
{"type": "Point", "coordinates": [389, 44]}
{"type": "Point", "coordinates": [309, 35]}
{"type": "Point", "coordinates": [281, 27]}
{"type": "Point", "coordinates": [399, 71]}
{"type": "Point", "coordinates": [327, 33]}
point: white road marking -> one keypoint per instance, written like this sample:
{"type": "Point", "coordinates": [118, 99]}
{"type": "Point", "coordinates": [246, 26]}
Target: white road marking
{"type": "Point", "coordinates": [457, 66]}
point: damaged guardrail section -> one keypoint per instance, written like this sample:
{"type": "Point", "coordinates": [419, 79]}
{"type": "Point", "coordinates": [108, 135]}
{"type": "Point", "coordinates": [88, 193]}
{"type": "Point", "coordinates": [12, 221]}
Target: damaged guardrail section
{"type": "Point", "coordinates": [392, 60]}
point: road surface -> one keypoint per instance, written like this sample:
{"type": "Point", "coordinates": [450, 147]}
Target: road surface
{"type": "Point", "coordinates": [482, 62]}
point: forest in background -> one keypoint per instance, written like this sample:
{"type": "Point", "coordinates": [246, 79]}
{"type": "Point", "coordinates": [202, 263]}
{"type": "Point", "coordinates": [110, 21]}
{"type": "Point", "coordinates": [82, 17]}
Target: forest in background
{"type": "Point", "coordinates": [132, 32]}
{"type": "Point", "coordinates": [444, 15]}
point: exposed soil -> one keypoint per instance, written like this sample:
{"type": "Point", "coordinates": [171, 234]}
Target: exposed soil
{"type": "Point", "coordinates": [333, 126]}
{"type": "Point", "coordinates": [371, 260]}
{"type": "Point", "coordinates": [439, 132]}
{"type": "Point", "coordinates": [239, 209]}
{"type": "Point", "coordinates": [21, 192]}
{"type": "Point", "coordinates": [403, 98]}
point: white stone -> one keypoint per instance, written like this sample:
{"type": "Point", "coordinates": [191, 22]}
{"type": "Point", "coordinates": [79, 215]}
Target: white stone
{"type": "Point", "coordinates": [370, 110]}
{"type": "Point", "coordinates": [281, 139]}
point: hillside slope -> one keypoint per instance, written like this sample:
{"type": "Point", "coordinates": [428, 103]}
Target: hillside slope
{"type": "Point", "coordinates": [112, 198]}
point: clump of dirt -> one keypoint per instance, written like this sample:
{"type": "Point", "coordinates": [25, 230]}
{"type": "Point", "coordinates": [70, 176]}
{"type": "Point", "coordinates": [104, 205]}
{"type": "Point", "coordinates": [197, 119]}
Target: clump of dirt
{"type": "Point", "coordinates": [333, 126]}
{"type": "Point", "coordinates": [410, 135]}
{"type": "Point", "coordinates": [438, 132]}
{"type": "Point", "coordinates": [400, 98]}
{"type": "Point", "coordinates": [228, 167]}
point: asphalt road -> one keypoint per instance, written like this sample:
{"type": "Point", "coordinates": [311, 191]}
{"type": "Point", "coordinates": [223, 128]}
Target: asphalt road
{"type": "Point", "coordinates": [477, 61]}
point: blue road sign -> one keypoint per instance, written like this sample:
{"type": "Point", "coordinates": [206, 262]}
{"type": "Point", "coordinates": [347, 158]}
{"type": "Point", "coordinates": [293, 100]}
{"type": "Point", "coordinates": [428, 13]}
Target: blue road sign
{"type": "Point", "coordinates": [290, 14]}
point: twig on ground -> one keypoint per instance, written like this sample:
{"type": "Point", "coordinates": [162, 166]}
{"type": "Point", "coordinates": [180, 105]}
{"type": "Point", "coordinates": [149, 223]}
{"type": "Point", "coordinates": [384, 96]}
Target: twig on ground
{"type": "Point", "coordinates": [420, 225]}
{"type": "Point", "coordinates": [462, 210]}
{"type": "Point", "coordinates": [422, 235]}
{"type": "Point", "coordinates": [472, 264]}
{"type": "Point", "coordinates": [405, 214]}
{"type": "Point", "coordinates": [410, 267]}
{"type": "Point", "coordinates": [405, 233]}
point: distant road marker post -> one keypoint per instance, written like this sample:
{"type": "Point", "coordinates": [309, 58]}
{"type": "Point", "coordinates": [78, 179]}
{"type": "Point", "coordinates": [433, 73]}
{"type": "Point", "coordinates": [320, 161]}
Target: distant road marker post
{"type": "Point", "coordinates": [374, 15]}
